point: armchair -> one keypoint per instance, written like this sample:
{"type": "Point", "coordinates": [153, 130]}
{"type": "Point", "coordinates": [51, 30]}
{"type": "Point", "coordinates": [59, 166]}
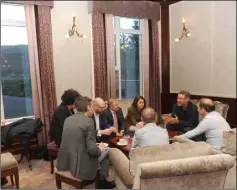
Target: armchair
{"type": "Point", "coordinates": [177, 165]}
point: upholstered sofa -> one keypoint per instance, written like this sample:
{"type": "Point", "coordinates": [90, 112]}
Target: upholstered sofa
{"type": "Point", "coordinates": [228, 147]}
{"type": "Point", "coordinates": [178, 165]}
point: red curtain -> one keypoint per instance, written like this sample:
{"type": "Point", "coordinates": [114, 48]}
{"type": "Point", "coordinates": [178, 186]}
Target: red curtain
{"type": "Point", "coordinates": [99, 55]}
{"type": "Point", "coordinates": [154, 68]}
{"type": "Point", "coordinates": [46, 69]}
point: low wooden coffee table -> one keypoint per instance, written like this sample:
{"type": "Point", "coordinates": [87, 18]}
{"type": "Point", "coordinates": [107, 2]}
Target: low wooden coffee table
{"type": "Point", "coordinates": [125, 149]}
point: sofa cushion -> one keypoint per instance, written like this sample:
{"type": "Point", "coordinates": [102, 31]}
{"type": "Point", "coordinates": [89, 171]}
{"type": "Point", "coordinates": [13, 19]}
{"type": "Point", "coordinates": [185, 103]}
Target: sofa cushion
{"type": "Point", "coordinates": [229, 142]}
{"type": "Point", "coordinates": [8, 161]}
{"type": "Point", "coordinates": [166, 152]}
{"type": "Point", "coordinates": [181, 139]}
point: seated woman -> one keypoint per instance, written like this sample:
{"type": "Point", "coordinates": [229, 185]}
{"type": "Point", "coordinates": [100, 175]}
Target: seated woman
{"type": "Point", "coordinates": [64, 110]}
{"type": "Point", "coordinates": [133, 117]}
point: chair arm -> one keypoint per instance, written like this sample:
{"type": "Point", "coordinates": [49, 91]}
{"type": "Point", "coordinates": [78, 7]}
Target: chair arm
{"type": "Point", "coordinates": [181, 140]}
{"type": "Point", "coordinates": [186, 166]}
{"type": "Point", "coordinates": [121, 165]}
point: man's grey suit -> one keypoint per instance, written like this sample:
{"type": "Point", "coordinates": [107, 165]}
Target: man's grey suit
{"type": "Point", "coordinates": [78, 152]}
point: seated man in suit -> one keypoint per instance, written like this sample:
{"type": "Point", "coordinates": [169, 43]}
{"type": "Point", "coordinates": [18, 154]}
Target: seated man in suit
{"type": "Point", "coordinates": [184, 115]}
{"type": "Point", "coordinates": [79, 153]}
{"type": "Point", "coordinates": [150, 134]}
{"type": "Point", "coordinates": [114, 117]}
{"type": "Point", "coordinates": [103, 130]}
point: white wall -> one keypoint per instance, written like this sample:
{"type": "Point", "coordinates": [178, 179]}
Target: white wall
{"type": "Point", "coordinates": [73, 56]}
{"type": "Point", "coordinates": [205, 63]}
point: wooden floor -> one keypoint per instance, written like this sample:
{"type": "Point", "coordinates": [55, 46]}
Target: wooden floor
{"type": "Point", "coordinates": [40, 177]}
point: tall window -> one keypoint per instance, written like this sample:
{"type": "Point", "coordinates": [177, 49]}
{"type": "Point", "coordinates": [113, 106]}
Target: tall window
{"type": "Point", "coordinates": [127, 47]}
{"type": "Point", "coordinates": [16, 99]}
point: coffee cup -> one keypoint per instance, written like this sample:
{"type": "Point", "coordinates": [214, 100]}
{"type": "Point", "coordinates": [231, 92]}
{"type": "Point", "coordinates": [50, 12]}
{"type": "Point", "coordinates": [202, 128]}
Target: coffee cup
{"type": "Point", "coordinates": [122, 141]}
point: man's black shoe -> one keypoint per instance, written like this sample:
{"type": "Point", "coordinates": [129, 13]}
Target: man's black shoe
{"type": "Point", "coordinates": [109, 184]}
{"type": "Point", "coordinates": [4, 181]}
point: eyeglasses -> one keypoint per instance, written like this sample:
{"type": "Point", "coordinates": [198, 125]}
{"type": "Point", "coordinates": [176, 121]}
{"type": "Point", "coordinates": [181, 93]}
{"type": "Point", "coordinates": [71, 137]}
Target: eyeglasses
{"type": "Point", "coordinates": [101, 107]}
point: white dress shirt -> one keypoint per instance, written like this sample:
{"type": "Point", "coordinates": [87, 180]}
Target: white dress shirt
{"type": "Point", "coordinates": [213, 125]}
{"type": "Point", "coordinates": [97, 121]}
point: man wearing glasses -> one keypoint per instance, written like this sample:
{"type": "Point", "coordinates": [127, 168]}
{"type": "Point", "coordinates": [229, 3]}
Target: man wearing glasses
{"type": "Point", "coordinates": [103, 130]}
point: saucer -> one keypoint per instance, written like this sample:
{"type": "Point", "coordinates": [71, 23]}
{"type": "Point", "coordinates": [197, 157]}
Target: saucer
{"type": "Point", "coordinates": [118, 143]}
{"type": "Point", "coordinates": [106, 144]}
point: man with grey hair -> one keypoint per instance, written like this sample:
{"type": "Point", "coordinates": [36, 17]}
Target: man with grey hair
{"type": "Point", "coordinates": [114, 117]}
{"type": "Point", "coordinates": [150, 134]}
{"type": "Point", "coordinates": [212, 125]}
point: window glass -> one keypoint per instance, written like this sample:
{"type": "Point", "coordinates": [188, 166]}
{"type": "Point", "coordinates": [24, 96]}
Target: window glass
{"type": "Point", "coordinates": [127, 57]}
{"type": "Point", "coordinates": [15, 71]}
{"type": "Point", "coordinates": [129, 23]}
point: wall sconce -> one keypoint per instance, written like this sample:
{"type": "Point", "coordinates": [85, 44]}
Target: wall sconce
{"type": "Point", "coordinates": [185, 32]}
{"type": "Point", "coordinates": [74, 31]}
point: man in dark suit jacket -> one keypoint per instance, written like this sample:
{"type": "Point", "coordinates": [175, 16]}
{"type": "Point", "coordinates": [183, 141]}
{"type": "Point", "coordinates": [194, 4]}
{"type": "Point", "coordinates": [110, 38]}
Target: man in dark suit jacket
{"type": "Point", "coordinates": [79, 153]}
{"type": "Point", "coordinates": [114, 117]}
{"type": "Point", "coordinates": [103, 130]}
{"type": "Point", "coordinates": [64, 110]}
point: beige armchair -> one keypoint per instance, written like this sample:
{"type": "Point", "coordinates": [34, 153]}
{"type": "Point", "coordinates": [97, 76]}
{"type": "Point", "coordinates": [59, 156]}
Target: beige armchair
{"type": "Point", "coordinates": [228, 147]}
{"type": "Point", "coordinates": [178, 165]}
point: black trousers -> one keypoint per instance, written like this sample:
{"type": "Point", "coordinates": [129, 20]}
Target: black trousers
{"type": "Point", "coordinates": [104, 165]}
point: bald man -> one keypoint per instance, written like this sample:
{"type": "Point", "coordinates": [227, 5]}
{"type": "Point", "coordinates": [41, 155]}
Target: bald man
{"type": "Point", "coordinates": [103, 130]}
{"type": "Point", "coordinates": [150, 134]}
{"type": "Point", "coordinates": [212, 125]}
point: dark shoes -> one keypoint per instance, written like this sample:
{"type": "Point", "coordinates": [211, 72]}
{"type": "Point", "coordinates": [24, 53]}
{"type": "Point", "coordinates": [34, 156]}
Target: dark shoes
{"type": "Point", "coordinates": [4, 181]}
{"type": "Point", "coordinates": [109, 184]}
{"type": "Point", "coordinates": [104, 184]}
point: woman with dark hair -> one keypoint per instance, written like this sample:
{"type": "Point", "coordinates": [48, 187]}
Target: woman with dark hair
{"type": "Point", "coordinates": [133, 117]}
{"type": "Point", "coordinates": [64, 110]}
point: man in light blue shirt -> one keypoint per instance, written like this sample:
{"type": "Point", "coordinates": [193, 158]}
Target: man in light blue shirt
{"type": "Point", "coordinates": [150, 134]}
{"type": "Point", "coordinates": [213, 124]}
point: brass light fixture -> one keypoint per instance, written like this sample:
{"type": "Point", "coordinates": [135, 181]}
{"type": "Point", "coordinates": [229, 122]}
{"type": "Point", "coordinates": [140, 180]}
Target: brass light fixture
{"type": "Point", "coordinates": [74, 31]}
{"type": "Point", "coordinates": [185, 32]}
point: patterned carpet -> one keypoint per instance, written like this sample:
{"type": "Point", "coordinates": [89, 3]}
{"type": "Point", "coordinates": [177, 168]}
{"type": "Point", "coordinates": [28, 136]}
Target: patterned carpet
{"type": "Point", "coordinates": [39, 177]}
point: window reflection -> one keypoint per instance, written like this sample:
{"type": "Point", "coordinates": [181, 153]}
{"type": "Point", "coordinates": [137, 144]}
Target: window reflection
{"type": "Point", "coordinates": [15, 72]}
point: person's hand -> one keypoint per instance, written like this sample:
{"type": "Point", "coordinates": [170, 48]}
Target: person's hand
{"type": "Point", "coordinates": [139, 125]}
{"type": "Point", "coordinates": [174, 120]}
{"type": "Point", "coordinates": [101, 147]}
{"type": "Point", "coordinates": [106, 131]}
{"type": "Point", "coordinates": [114, 130]}
{"type": "Point", "coordinates": [167, 119]}
{"type": "Point", "coordinates": [119, 134]}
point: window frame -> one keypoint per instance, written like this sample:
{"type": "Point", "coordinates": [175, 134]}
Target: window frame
{"type": "Point", "coordinates": [13, 23]}
{"type": "Point", "coordinates": [117, 66]}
